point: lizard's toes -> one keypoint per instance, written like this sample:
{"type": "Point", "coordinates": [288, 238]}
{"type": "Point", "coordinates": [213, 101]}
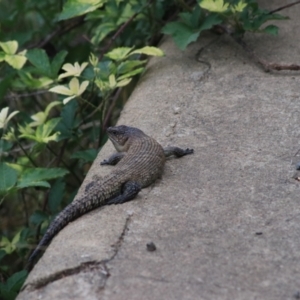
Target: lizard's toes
{"type": "Point", "coordinates": [188, 151]}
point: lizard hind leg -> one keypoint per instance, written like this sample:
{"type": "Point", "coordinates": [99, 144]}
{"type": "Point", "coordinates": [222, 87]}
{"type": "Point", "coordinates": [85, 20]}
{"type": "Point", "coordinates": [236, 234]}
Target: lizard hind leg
{"type": "Point", "coordinates": [176, 151]}
{"type": "Point", "coordinates": [129, 190]}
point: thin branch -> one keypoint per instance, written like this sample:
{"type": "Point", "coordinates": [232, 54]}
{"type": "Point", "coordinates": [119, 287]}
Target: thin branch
{"type": "Point", "coordinates": [283, 7]}
{"type": "Point", "coordinates": [119, 31]}
{"type": "Point", "coordinates": [28, 146]}
{"type": "Point", "coordinates": [110, 109]}
{"type": "Point", "coordinates": [58, 32]}
{"type": "Point", "coordinates": [90, 125]}
{"type": "Point", "coordinates": [26, 95]}
{"type": "Point", "coordinates": [25, 207]}
{"type": "Point", "coordinates": [38, 230]}
{"type": "Point", "coordinates": [66, 165]}
{"type": "Point", "coordinates": [267, 66]}
{"type": "Point", "coordinates": [184, 5]}
{"type": "Point", "coordinates": [98, 108]}
{"type": "Point", "coordinates": [27, 155]}
{"type": "Point", "coordinates": [61, 152]}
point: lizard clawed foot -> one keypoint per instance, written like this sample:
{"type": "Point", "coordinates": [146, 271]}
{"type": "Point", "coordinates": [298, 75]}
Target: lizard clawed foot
{"type": "Point", "coordinates": [188, 151]}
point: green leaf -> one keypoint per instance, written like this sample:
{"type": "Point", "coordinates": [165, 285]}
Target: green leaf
{"type": "Point", "coordinates": [38, 176]}
{"type": "Point", "coordinates": [103, 85]}
{"type": "Point", "coordinates": [56, 195]}
{"type": "Point", "coordinates": [68, 120]}
{"type": "Point", "coordinates": [123, 82]}
{"type": "Point", "coordinates": [72, 70]}
{"type": "Point", "coordinates": [5, 146]}
{"type": "Point", "coordinates": [9, 47]}
{"type": "Point", "coordinates": [41, 117]}
{"type": "Point", "coordinates": [252, 20]}
{"type": "Point", "coordinates": [4, 85]}
{"type": "Point", "coordinates": [16, 61]}
{"type": "Point", "coordinates": [16, 281]}
{"type": "Point", "coordinates": [10, 289]}
{"type": "Point", "coordinates": [209, 21]}
{"type": "Point", "coordinates": [31, 82]}
{"type": "Point", "coordinates": [181, 33]}
{"type": "Point", "coordinates": [6, 245]}
{"type": "Point", "coordinates": [75, 89]}
{"type": "Point", "coordinates": [40, 60]}
{"type": "Point", "coordinates": [38, 217]}
{"type": "Point", "coordinates": [50, 126]}
{"type": "Point", "coordinates": [214, 5]}
{"type": "Point", "coordinates": [25, 184]}
{"type": "Point", "coordinates": [57, 62]}
{"type": "Point", "coordinates": [4, 117]}
{"type": "Point", "coordinates": [43, 132]}
{"type": "Point", "coordinates": [2, 254]}
{"type": "Point", "coordinates": [86, 155]}
{"type": "Point", "coordinates": [16, 238]}
{"type": "Point", "coordinates": [112, 80]}
{"type": "Point", "coordinates": [129, 65]}
{"type": "Point", "coordinates": [126, 13]}
{"type": "Point", "coordinates": [75, 8]}
{"type": "Point", "coordinates": [2, 56]}
{"type": "Point", "coordinates": [6, 294]}
{"type": "Point", "coordinates": [8, 177]}
{"type": "Point", "coordinates": [149, 51]}
{"type": "Point", "coordinates": [61, 89]}
{"type": "Point", "coordinates": [192, 19]}
{"type": "Point", "coordinates": [271, 29]}
{"type": "Point", "coordinates": [130, 74]}
{"type": "Point", "coordinates": [240, 6]}
{"type": "Point", "coordinates": [118, 54]}
{"type": "Point", "coordinates": [102, 31]}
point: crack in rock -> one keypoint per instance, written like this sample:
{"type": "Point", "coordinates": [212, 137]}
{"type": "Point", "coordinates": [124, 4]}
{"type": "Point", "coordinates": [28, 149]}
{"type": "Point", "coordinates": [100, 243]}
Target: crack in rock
{"type": "Point", "coordinates": [90, 266]}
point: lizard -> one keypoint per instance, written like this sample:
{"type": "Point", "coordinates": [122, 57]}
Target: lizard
{"type": "Point", "coordinates": [140, 160]}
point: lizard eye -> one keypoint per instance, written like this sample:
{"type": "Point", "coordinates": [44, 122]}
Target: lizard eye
{"type": "Point", "coordinates": [114, 132]}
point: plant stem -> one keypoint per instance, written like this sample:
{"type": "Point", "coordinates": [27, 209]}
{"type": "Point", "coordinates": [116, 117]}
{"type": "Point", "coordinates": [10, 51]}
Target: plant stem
{"type": "Point", "coordinates": [66, 165]}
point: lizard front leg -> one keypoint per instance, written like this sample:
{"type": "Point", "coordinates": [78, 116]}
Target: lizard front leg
{"type": "Point", "coordinates": [113, 159]}
{"type": "Point", "coordinates": [176, 151]}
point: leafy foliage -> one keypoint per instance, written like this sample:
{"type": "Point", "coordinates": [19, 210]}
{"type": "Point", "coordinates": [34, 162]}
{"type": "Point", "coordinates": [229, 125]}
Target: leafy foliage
{"type": "Point", "coordinates": [64, 87]}
{"type": "Point", "coordinates": [9, 290]}
{"type": "Point", "coordinates": [69, 70]}
{"type": "Point", "coordinates": [240, 15]}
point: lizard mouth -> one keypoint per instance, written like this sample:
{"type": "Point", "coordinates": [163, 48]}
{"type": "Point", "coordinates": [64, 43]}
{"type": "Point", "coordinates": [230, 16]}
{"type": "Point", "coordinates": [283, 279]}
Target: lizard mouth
{"type": "Point", "coordinates": [112, 140]}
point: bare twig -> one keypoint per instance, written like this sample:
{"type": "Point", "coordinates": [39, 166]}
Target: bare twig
{"type": "Point", "coordinates": [58, 32]}
{"type": "Point", "coordinates": [283, 7]}
{"type": "Point", "coordinates": [110, 109]}
{"type": "Point", "coordinates": [25, 207]}
{"type": "Point", "coordinates": [26, 95]}
{"type": "Point", "coordinates": [61, 152]}
{"type": "Point", "coordinates": [38, 230]}
{"type": "Point", "coordinates": [120, 30]}
{"type": "Point", "coordinates": [26, 154]}
{"type": "Point", "coordinates": [66, 165]}
{"type": "Point", "coordinates": [267, 66]}
{"type": "Point", "coordinates": [113, 38]}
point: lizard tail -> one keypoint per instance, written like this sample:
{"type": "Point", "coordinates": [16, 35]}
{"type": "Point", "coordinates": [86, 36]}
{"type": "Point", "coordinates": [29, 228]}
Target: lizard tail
{"type": "Point", "coordinates": [71, 212]}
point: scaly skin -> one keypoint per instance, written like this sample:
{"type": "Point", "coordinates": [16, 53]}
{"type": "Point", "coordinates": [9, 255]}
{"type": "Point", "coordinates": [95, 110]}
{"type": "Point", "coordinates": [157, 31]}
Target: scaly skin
{"type": "Point", "coordinates": [140, 161]}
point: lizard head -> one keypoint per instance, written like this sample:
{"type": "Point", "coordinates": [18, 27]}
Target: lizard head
{"type": "Point", "coordinates": [121, 136]}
